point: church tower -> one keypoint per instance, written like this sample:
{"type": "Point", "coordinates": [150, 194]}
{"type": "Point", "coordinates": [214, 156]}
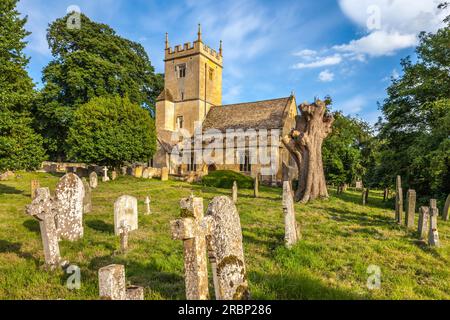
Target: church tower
{"type": "Point", "coordinates": [193, 83]}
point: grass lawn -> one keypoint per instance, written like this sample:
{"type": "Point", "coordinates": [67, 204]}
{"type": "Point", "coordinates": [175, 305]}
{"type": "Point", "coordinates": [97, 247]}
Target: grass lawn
{"type": "Point", "coordinates": [341, 238]}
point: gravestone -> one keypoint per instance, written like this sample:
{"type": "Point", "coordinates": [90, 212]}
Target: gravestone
{"type": "Point", "coordinates": [93, 180]}
{"type": "Point", "coordinates": [105, 177]}
{"type": "Point", "coordinates": [291, 227]}
{"type": "Point", "coordinates": [124, 230]}
{"type": "Point", "coordinates": [164, 174]}
{"type": "Point", "coordinates": [125, 209]}
{"type": "Point", "coordinates": [70, 194]}
{"type": "Point", "coordinates": [138, 171]}
{"type": "Point", "coordinates": [145, 173]}
{"type": "Point", "coordinates": [445, 213]}
{"type": "Point", "coordinates": [433, 235]}
{"type": "Point", "coordinates": [189, 230]}
{"type": "Point", "coordinates": [399, 205]}
{"type": "Point", "coordinates": [359, 185]}
{"type": "Point", "coordinates": [112, 284]}
{"type": "Point", "coordinates": [234, 191]}
{"type": "Point", "coordinates": [34, 186]}
{"type": "Point", "coordinates": [433, 203]}
{"type": "Point", "coordinates": [385, 194]}
{"type": "Point", "coordinates": [87, 200]}
{"type": "Point", "coordinates": [124, 170]}
{"type": "Point", "coordinates": [410, 208]}
{"type": "Point", "coordinates": [113, 175]}
{"type": "Point", "coordinates": [223, 225]}
{"type": "Point", "coordinates": [147, 206]}
{"type": "Point", "coordinates": [424, 214]}
{"type": "Point", "coordinates": [365, 193]}
{"type": "Point", "coordinates": [44, 208]}
{"type": "Point", "coordinates": [256, 186]}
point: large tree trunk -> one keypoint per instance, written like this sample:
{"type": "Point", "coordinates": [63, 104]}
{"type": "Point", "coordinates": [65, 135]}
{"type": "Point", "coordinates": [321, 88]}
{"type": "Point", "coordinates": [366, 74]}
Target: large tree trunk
{"type": "Point", "coordinates": [305, 145]}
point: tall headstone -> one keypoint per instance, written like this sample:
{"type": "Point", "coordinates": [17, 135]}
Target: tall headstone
{"type": "Point", "coordinates": [189, 230]}
{"type": "Point", "coordinates": [147, 206]}
{"type": "Point", "coordinates": [445, 212]}
{"type": "Point", "coordinates": [34, 186]}
{"type": "Point", "coordinates": [433, 235]}
{"type": "Point", "coordinates": [125, 211]}
{"type": "Point", "coordinates": [234, 192]}
{"type": "Point", "coordinates": [112, 284]}
{"type": "Point", "coordinates": [399, 205]}
{"type": "Point", "coordinates": [70, 194]}
{"type": "Point", "coordinates": [226, 250]}
{"type": "Point", "coordinates": [424, 214]}
{"type": "Point", "coordinates": [87, 200]}
{"type": "Point", "coordinates": [164, 174]}
{"type": "Point", "coordinates": [410, 208]}
{"type": "Point", "coordinates": [291, 227]}
{"type": "Point", "coordinates": [105, 174]}
{"type": "Point", "coordinates": [93, 179]}
{"type": "Point", "coordinates": [44, 208]}
{"type": "Point", "coordinates": [256, 186]}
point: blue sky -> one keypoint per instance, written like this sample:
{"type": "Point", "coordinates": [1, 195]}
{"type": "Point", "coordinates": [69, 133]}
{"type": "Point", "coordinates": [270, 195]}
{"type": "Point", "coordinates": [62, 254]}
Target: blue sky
{"type": "Point", "coordinates": [349, 49]}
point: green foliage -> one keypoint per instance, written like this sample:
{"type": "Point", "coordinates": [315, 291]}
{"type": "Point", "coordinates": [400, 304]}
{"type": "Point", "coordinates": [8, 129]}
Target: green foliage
{"type": "Point", "coordinates": [225, 178]}
{"type": "Point", "coordinates": [415, 133]}
{"type": "Point", "coordinates": [110, 131]}
{"type": "Point", "coordinates": [90, 62]}
{"type": "Point", "coordinates": [20, 147]}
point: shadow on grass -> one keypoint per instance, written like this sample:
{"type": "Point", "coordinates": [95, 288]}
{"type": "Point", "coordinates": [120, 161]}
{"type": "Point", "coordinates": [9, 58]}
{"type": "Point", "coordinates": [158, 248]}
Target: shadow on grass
{"type": "Point", "coordinates": [4, 189]}
{"type": "Point", "coordinates": [32, 225]}
{"type": "Point", "coordinates": [357, 199]}
{"type": "Point", "coordinates": [101, 226]}
{"type": "Point", "coordinates": [300, 287]}
{"type": "Point", "coordinates": [15, 247]}
{"type": "Point", "coordinates": [362, 219]}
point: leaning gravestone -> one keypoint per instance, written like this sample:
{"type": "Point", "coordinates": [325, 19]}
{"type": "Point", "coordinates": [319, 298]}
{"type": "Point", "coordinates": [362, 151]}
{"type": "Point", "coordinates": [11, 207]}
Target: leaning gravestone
{"type": "Point", "coordinates": [70, 194]}
{"type": "Point", "coordinates": [291, 227]}
{"type": "Point", "coordinates": [112, 284]}
{"type": "Point", "coordinates": [34, 186]}
{"type": "Point", "coordinates": [93, 180]}
{"type": "Point", "coordinates": [433, 235]}
{"type": "Point", "coordinates": [125, 212]}
{"type": "Point", "coordinates": [410, 208]}
{"type": "Point", "coordinates": [45, 208]}
{"type": "Point", "coordinates": [87, 200]}
{"type": "Point", "coordinates": [446, 209]}
{"type": "Point", "coordinates": [424, 214]}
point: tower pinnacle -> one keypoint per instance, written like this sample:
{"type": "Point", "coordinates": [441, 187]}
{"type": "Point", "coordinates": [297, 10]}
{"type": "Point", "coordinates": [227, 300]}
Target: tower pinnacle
{"type": "Point", "coordinates": [199, 33]}
{"type": "Point", "coordinates": [167, 40]}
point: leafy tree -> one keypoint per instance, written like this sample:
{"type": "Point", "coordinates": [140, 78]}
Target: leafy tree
{"type": "Point", "coordinates": [20, 146]}
{"type": "Point", "coordinates": [90, 62]}
{"type": "Point", "coordinates": [111, 131]}
{"type": "Point", "coordinates": [415, 132]}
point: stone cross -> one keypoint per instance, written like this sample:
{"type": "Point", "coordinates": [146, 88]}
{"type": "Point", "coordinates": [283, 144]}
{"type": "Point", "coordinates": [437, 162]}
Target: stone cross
{"type": "Point", "coordinates": [445, 213]}
{"type": "Point", "coordinates": [410, 208]}
{"type": "Point", "coordinates": [112, 286]}
{"type": "Point", "coordinates": [188, 230]}
{"type": "Point", "coordinates": [44, 208]}
{"type": "Point", "coordinates": [147, 205]}
{"type": "Point", "coordinates": [234, 192]}
{"type": "Point", "coordinates": [164, 174]}
{"type": "Point", "coordinates": [125, 209]}
{"type": "Point", "coordinates": [87, 200]}
{"type": "Point", "coordinates": [105, 174]}
{"type": "Point", "coordinates": [399, 205]}
{"type": "Point", "coordinates": [424, 214]}
{"type": "Point", "coordinates": [34, 186]}
{"type": "Point", "coordinates": [256, 186]}
{"type": "Point", "coordinates": [124, 231]}
{"type": "Point", "coordinates": [70, 194]}
{"type": "Point", "coordinates": [291, 227]}
{"type": "Point", "coordinates": [93, 180]}
{"type": "Point", "coordinates": [433, 235]}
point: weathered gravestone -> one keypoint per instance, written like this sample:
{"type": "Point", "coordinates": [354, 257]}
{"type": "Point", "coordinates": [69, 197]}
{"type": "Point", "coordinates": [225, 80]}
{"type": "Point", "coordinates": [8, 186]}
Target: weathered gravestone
{"type": "Point", "coordinates": [359, 185]}
{"type": "Point", "coordinates": [291, 227]}
{"type": "Point", "coordinates": [113, 175]}
{"type": "Point", "coordinates": [220, 232]}
{"type": "Point", "coordinates": [93, 180]}
{"type": "Point", "coordinates": [87, 200]}
{"type": "Point", "coordinates": [146, 173]}
{"type": "Point", "coordinates": [234, 192]}
{"type": "Point", "coordinates": [164, 174]}
{"type": "Point", "coordinates": [147, 206]}
{"type": "Point", "coordinates": [125, 212]}
{"type": "Point", "coordinates": [410, 208]}
{"type": "Point", "coordinates": [424, 214]}
{"type": "Point", "coordinates": [105, 177]}
{"type": "Point", "coordinates": [399, 205]}
{"type": "Point", "coordinates": [433, 235]}
{"type": "Point", "coordinates": [45, 208]}
{"type": "Point", "coordinates": [433, 203]}
{"type": "Point", "coordinates": [138, 171]}
{"type": "Point", "coordinates": [124, 230]}
{"type": "Point", "coordinates": [112, 284]}
{"type": "Point", "coordinates": [34, 186]}
{"type": "Point", "coordinates": [445, 212]}
{"type": "Point", "coordinates": [124, 170]}
{"type": "Point", "coordinates": [256, 186]}
{"type": "Point", "coordinates": [70, 194]}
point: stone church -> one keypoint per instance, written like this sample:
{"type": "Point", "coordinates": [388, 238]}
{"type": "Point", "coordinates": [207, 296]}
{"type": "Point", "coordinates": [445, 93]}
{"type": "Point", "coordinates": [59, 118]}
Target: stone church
{"type": "Point", "coordinates": [193, 95]}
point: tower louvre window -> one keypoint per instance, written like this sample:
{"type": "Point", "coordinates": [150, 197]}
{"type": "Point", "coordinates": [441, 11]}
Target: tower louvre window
{"type": "Point", "coordinates": [180, 122]}
{"type": "Point", "coordinates": [211, 74]}
{"type": "Point", "coordinates": [181, 70]}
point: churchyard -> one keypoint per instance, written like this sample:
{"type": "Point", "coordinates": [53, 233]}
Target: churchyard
{"type": "Point", "coordinates": [343, 244]}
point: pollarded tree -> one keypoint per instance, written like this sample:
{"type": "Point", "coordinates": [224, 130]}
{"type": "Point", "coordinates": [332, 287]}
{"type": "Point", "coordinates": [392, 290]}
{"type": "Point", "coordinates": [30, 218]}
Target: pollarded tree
{"type": "Point", "coordinates": [305, 145]}
{"type": "Point", "coordinates": [110, 131]}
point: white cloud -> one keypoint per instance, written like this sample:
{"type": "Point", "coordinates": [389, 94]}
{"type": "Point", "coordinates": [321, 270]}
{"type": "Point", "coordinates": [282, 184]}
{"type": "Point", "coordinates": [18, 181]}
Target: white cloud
{"type": "Point", "coordinates": [320, 62]}
{"type": "Point", "coordinates": [305, 53]}
{"type": "Point", "coordinates": [326, 76]}
{"type": "Point", "coordinates": [352, 106]}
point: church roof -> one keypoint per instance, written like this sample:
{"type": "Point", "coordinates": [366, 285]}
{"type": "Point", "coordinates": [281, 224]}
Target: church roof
{"type": "Point", "coordinates": [165, 95]}
{"type": "Point", "coordinates": [268, 114]}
